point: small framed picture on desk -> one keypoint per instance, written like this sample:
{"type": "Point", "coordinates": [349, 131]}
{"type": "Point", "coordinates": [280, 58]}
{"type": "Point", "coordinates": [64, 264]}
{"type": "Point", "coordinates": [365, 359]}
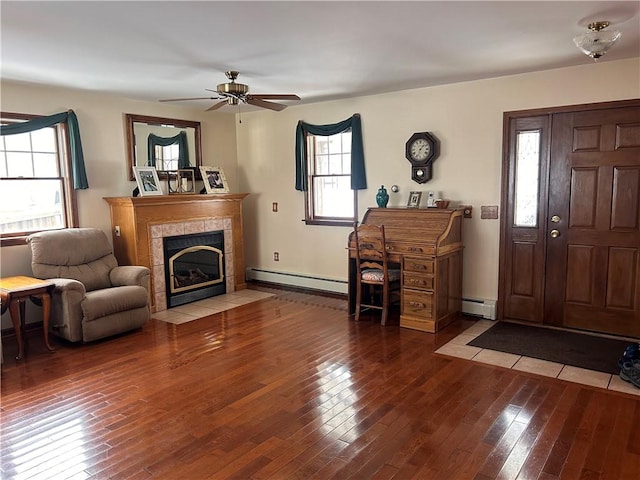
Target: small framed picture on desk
{"type": "Point", "coordinates": [414, 199]}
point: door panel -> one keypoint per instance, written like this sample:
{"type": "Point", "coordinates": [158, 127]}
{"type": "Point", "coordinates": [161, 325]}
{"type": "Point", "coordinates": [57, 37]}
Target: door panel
{"type": "Point", "coordinates": [622, 278]}
{"type": "Point", "coordinates": [580, 274]}
{"type": "Point", "coordinates": [625, 204]}
{"type": "Point", "coordinates": [594, 260]}
{"type": "Point", "coordinates": [578, 264]}
{"type": "Point", "coordinates": [522, 266]}
{"type": "Point", "coordinates": [584, 198]}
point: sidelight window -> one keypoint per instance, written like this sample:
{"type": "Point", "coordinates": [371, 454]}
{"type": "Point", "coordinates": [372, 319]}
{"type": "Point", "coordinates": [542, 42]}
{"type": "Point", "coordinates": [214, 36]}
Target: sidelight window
{"type": "Point", "coordinates": [527, 178]}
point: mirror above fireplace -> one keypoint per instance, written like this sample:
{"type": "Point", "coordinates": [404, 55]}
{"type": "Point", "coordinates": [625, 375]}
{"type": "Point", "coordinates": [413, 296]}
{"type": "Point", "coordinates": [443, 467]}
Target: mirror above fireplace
{"type": "Point", "coordinates": [164, 143]}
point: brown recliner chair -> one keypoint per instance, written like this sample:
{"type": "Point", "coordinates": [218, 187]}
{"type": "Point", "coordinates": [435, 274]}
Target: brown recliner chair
{"type": "Point", "coordinates": [93, 296]}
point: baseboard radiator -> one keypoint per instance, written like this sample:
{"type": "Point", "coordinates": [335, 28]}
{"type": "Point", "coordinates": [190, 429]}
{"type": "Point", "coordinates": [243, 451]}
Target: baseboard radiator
{"type": "Point", "coordinates": [470, 306]}
{"type": "Point", "coordinates": [297, 280]}
{"type": "Point", "coordinates": [479, 308]}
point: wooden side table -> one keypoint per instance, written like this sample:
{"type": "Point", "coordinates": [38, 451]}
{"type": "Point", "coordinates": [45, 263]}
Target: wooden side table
{"type": "Point", "coordinates": [14, 293]}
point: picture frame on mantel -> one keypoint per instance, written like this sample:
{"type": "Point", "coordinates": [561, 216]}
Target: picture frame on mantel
{"type": "Point", "coordinates": [181, 181]}
{"type": "Point", "coordinates": [214, 179]}
{"type": "Point", "coordinates": [147, 180]}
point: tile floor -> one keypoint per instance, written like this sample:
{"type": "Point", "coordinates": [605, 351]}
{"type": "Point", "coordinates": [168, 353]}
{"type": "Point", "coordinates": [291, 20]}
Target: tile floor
{"type": "Point", "coordinates": [209, 306]}
{"type": "Point", "coordinates": [458, 348]}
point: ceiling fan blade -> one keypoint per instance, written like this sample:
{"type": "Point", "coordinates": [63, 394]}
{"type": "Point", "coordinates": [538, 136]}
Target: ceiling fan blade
{"type": "Point", "coordinates": [275, 96]}
{"type": "Point", "coordinates": [261, 103]}
{"type": "Point", "coordinates": [216, 106]}
{"type": "Point", "coordinates": [181, 99]}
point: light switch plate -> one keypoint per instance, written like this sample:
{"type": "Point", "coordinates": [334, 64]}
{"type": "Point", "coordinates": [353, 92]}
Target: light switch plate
{"type": "Point", "coordinates": [489, 212]}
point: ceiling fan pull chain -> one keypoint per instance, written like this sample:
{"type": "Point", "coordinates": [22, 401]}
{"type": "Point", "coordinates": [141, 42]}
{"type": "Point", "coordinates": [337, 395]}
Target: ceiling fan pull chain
{"type": "Point", "coordinates": [239, 114]}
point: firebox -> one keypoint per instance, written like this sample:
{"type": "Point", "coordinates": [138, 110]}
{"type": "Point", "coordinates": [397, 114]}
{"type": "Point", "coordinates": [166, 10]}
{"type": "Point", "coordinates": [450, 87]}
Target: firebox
{"type": "Point", "coordinates": [194, 267]}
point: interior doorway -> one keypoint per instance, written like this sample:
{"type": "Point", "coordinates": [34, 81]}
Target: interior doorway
{"type": "Point", "coordinates": [570, 229]}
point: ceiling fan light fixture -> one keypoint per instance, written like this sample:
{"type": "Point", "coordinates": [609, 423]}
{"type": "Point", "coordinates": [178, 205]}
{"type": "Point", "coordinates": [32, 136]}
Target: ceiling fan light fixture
{"type": "Point", "coordinates": [596, 42]}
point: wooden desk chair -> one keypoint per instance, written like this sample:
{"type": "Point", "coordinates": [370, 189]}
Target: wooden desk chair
{"type": "Point", "coordinates": [376, 282]}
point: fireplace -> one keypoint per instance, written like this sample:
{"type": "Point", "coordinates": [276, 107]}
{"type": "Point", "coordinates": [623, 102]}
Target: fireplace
{"type": "Point", "coordinates": [194, 267]}
{"type": "Point", "coordinates": [143, 223]}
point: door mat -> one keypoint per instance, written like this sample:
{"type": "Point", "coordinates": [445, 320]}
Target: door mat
{"type": "Point", "coordinates": [569, 348]}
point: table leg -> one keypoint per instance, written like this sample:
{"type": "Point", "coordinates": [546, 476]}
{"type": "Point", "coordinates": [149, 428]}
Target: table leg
{"type": "Point", "coordinates": [15, 310]}
{"type": "Point", "coordinates": [46, 310]}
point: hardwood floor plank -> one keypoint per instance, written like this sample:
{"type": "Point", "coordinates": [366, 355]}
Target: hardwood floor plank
{"type": "Point", "coordinates": [576, 457]}
{"type": "Point", "coordinates": [614, 460]}
{"type": "Point", "coordinates": [566, 438]}
{"type": "Point", "coordinates": [545, 441]}
{"type": "Point", "coordinates": [290, 387]}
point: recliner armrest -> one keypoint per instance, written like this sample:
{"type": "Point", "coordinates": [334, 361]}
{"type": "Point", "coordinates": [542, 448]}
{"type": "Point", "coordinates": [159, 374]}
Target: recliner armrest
{"type": "Point", "coordinates": [130, 275]}
{"type": "Point", "coordinates": [63, 285]}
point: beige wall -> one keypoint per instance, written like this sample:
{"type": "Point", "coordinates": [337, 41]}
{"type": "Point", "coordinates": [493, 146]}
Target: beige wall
{"type": "Point", "coordinates": [466, 117]}
{"type": "Point", "coordinates": [102, 128]}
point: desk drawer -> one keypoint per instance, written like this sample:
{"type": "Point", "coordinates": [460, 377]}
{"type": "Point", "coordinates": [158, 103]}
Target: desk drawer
{"type": "Point", "coordinates": [417, 303]}
{"type": "Point", "coordinates": [417, 281]}
{"type": "Point", "coordinates": [404, 249]}
{"type": "Point", "coordinates": [415, 264]}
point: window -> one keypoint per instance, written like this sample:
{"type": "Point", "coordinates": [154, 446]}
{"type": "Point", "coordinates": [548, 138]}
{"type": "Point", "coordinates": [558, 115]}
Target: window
{"type": "Point", "coordinates": [167, 157]}
{"type": "Point", "coordinates": [36, 191]}
{"type": "Point", "coordinates": [527, 176]}
{"type": "Point", "coordinates": [329, 198]}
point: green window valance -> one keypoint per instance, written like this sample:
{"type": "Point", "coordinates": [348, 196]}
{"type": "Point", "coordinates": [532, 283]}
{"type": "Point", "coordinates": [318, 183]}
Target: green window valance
{"type": "Point", "coordinates": [179, 139]}
{"type": "Point", "coordinates": [79, 173]}
{"type": "Point", "coordinates": [358, 175]}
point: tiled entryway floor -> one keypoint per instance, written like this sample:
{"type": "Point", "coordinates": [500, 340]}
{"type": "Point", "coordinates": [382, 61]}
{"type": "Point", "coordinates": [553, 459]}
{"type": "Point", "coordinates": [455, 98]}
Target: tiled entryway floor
{"type": "Point", "coordinates": [209, 306]}
{"type": "Point", "coordinates": [458, 348]}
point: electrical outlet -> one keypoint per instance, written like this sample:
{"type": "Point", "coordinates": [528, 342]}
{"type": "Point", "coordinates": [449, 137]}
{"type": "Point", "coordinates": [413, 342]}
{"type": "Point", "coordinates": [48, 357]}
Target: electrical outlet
{"type": "Point", "coordinates": [116, 230]}
{"type": "Point", "coordinates": [274, 206]}
{"type": "Point", "coordinates": [276, 257]}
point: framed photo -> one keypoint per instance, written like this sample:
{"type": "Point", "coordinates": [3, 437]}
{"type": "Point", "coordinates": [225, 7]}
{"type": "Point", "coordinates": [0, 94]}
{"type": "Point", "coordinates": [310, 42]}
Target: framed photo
{"type": "Point", "coordinates": [147, 180]}
{"type": "Point", "coordinates": [181, 181]}
{"type": "Point", "coordinates": [414, 199]}
{"type": "Point", "coordinates": [214, 180]}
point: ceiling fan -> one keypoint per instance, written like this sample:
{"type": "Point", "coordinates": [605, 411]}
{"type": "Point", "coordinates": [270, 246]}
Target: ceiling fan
{"type": "Point", "coordinates": [232, 93]}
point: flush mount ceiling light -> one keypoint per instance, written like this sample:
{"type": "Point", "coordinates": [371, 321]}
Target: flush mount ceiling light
{"type": "Point", "coordinates": [596, 42]}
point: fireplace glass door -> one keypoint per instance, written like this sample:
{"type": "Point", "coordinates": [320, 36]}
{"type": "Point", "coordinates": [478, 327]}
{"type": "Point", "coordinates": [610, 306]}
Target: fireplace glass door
{"type": "Point", "coordinates": [194, 267]}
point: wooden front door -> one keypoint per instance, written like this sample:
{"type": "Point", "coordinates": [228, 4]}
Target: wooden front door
{"type": "Point", "coordinates": [571, 257]}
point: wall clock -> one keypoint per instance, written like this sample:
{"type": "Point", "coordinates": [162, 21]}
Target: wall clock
{"type": "Point", "coordinates": [421, 150]}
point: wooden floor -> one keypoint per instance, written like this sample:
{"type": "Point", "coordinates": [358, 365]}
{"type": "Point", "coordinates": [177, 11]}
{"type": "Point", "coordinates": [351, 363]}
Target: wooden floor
{"type": "Point", "coordinates": [291, 388]}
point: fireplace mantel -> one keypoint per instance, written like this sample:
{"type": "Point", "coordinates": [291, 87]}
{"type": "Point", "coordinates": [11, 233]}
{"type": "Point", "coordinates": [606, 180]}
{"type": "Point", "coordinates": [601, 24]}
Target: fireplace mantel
{"type": "Point", "coordinates": [142, 222]}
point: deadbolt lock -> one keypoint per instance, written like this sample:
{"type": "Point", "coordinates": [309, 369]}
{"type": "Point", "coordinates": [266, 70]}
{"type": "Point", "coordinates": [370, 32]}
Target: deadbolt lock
{"type": "Point", "coordinates": [555, 219]}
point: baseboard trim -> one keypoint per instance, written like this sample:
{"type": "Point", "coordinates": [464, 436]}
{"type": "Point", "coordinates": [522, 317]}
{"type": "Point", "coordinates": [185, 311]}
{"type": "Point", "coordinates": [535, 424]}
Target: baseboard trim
{"type": "Point", "coordinates": [297, 280]}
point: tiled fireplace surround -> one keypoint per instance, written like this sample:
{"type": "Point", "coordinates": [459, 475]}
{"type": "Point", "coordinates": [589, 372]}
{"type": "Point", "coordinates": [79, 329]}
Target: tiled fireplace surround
{"type": "Point", "coordinates": [159, 231]}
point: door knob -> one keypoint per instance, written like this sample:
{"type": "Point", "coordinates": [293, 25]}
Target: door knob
{"type": "Point", "coordinates": [554, 233]}
{"type": "Point", "coordinates": [555, 219]}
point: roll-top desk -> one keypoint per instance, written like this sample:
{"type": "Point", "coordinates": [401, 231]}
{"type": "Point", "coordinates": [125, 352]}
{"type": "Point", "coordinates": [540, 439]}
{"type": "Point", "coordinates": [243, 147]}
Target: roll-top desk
{"type": "Point", "coordinates": [427, 245]}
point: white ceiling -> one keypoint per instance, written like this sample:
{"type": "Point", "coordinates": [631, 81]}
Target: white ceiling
{"type": "Point", "coordinates": [321, 50]}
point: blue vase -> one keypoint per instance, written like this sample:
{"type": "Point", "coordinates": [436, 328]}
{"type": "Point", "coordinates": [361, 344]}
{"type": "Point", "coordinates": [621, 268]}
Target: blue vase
{"type": "Point", "coordinates": [382, 198]}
